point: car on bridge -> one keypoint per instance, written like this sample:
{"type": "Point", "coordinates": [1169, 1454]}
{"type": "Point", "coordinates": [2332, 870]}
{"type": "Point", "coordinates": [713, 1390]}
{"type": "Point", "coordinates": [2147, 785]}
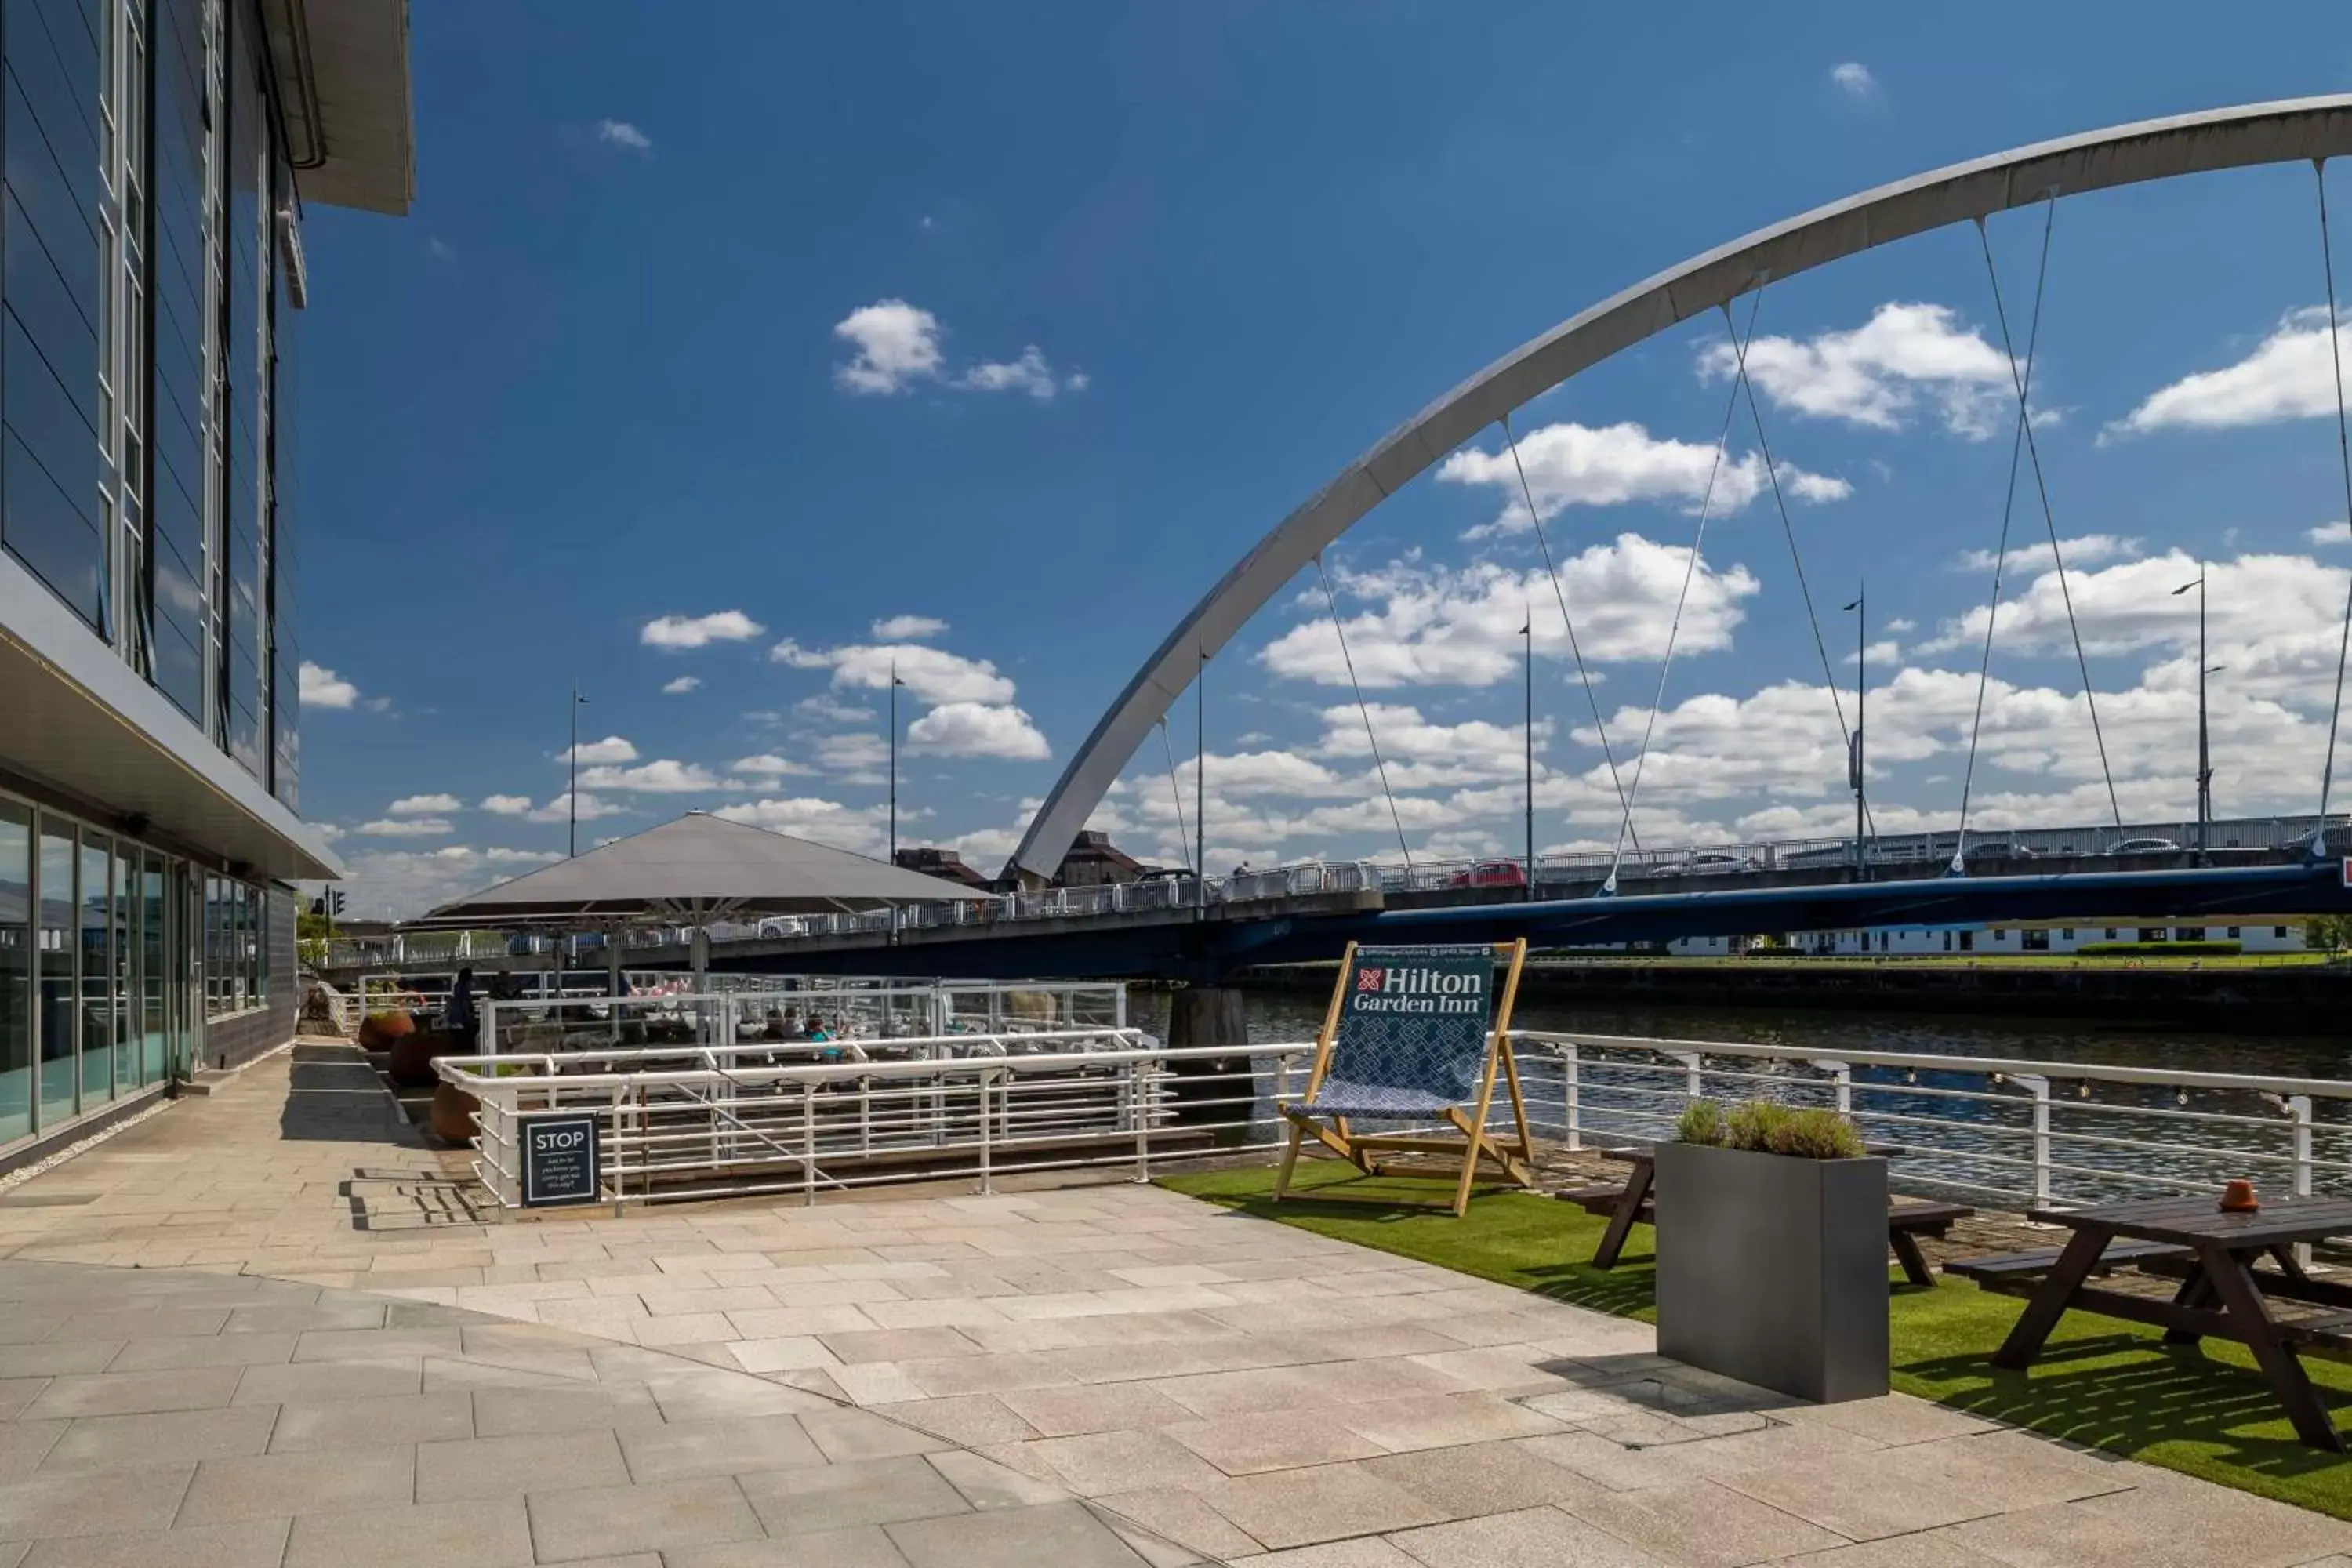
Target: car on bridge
{"type": "Point", "coordinates": [1715, 863]}
{"type": "Point", "coordinates": [2143, 846]}
{"type": "Point", "coordinates": [1492, 874]}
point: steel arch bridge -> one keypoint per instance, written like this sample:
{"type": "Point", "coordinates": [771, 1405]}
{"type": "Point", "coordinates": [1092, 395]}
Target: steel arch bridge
{"type": "Point", "coordinates": [2293, 131]}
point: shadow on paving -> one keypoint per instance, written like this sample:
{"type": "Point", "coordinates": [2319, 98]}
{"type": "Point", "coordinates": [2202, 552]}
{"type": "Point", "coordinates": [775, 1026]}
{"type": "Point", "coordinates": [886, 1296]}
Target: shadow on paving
{"type": "Point", "coordinates": [2204, 1411]}
{"type": "Point", "coordinates": [333, 1096]}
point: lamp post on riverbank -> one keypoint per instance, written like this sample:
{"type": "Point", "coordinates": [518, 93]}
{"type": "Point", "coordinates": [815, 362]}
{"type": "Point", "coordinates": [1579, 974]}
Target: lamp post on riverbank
{"type": "Point", "coordinates": [1861, 606]}
{"type": "Point", "coordinates": [2204, 752]}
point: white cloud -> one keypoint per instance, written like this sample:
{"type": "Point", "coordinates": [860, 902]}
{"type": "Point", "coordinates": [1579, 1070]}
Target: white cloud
{"type": "Point", "coordinates": [2291, 375]}
{"type": "Point", "coordinates": [506, 805]}
{"type": "Point", "coordinates": [767, 767]}
{"type": "Point", "coordinates": [1029, 374]}
{"type": "Point", "coordinates": [1575, 465]}
{"type": "Point", "coordinates": [661, 776]}
{"type": "Point", "coordinates": [831, 710]}
{"type": "Point", "coordinates": [521, 856]}
{"type": "Point", "coordinates": [1855, 77]}
{"type": "Point", "coordinates": [407, 828]}
{"type": "Point", "coordinates": [682, 685]}
{"type": "Point", "coordinates": [1879, 653]}
{"type": "Point", "coordinates": [1431, 625]}
{"type": "Point", "coordinates": [1813, 489]}
{"type": "Point", "coordinates": [907, 628]}
{"type": "Point", "coordinates": [1902, 623]}
{"type": "Point", "coordinates": [2085, 550]}
{"type": "Point", "coordinates": [932, 674]}
{"type": "Point", "coordinates": [2284, 611]}
{"type": "Point", "coordinates": [621, 133]}
{"type": "Point", "coordinates": [861, 829]}
{"type": "Point", "coordinates": [978, 729]}
{"type": "Point", "coordinates": [2329, 533]}
{"type": "Point", "coordinates": [859, 758]}
{"type": "Point", "coordinates": [699, 631]}
{"type": "Point", "coordinates": [425, 804]}
{"type": "Point", "coordinates": [557, 809]}
{"type": "Point", "coordinates": [611, 749]}
{"type": "Point", "coordinates": [897, 344]}
{"type": "Point", "coordinates": [322, 687]}
{"type": "Point", "coordinates": [1876, 373]}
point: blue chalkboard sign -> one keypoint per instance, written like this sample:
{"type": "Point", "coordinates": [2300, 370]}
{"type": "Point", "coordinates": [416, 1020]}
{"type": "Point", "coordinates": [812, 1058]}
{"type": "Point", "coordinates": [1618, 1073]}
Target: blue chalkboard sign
{"type": "Point", "coordinates": [559, 1160]}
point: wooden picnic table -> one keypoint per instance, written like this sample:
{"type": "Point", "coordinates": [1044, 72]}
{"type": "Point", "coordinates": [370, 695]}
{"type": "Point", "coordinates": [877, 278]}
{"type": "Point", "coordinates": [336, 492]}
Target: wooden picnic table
{"type": "Point", "coordinates": [2222, 1293]}
{"type": "Point", "coordinates": [1633, 1203]}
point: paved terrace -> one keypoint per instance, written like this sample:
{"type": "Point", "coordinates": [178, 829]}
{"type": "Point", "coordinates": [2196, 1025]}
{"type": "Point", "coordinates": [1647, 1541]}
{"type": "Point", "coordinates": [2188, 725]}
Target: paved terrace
{"type": "Point", "coordinates": [260, 1329]}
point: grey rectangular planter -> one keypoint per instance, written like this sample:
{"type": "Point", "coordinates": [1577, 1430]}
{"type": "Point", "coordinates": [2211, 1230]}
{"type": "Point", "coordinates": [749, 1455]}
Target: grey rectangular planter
{"type": "Point", "coordinates": [1772, 1270]}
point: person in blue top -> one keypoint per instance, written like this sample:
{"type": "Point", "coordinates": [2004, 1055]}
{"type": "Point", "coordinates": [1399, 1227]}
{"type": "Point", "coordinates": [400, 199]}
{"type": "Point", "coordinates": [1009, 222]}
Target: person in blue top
{"type": "Point", "coordinates": [464, 1023]}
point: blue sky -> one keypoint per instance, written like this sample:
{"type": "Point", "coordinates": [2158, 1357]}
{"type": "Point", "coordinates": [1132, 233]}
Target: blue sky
{"type": "Point", "coordinates": [710, 351]}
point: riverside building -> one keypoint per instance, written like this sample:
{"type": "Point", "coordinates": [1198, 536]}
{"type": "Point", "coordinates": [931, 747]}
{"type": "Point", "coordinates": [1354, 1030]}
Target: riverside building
{"type": "Point", "coordinates": [159, 155]}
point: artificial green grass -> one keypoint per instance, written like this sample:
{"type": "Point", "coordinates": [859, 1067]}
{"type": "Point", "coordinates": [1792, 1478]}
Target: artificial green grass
{"type": "Point", "coordinates": [2100, 1382]}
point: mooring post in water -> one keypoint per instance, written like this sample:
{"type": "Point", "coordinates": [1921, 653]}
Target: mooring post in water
{"type": "Point", "coordinates": [1206, 1015]}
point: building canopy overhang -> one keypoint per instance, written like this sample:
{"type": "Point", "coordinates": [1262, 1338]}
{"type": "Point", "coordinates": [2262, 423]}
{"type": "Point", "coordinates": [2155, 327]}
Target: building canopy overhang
{"type": "Point", "coordinates": [83, 724]}
{"type": "Point", "coordinates": [343, 81]}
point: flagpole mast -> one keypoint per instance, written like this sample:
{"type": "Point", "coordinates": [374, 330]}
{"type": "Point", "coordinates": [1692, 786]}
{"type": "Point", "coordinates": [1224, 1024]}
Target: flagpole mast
{"type": "Point", "coordinates": [571, 794]}
{"type": "Point", "coordinates": [894, 761]}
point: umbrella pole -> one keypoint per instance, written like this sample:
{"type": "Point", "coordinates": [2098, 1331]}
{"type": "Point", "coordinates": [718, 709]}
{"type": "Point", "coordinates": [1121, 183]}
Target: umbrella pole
{"type": "Point", "coordinates": [613, 986]}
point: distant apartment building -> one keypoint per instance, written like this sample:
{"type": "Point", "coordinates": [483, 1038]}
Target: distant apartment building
{"type": "Point", "coordinates": [159, 155]}
{"type": "Point", "coordinates": [2039, 938]}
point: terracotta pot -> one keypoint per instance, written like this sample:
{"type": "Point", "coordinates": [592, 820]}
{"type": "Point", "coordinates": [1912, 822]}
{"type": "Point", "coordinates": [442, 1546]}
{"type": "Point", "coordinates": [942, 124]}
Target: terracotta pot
{"type": "Point", "coordinates": [378, 1030]}
{"type": "Point", "coordinates": [411, 1058]}
{"type": "Point", "coordinates": [453, 1113]}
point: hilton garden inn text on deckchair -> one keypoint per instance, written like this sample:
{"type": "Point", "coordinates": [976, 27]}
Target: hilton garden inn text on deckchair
{"type": "Point", "coordinates": [1416, 1035]}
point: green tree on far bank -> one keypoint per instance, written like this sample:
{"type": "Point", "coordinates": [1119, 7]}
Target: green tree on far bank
{"type": "Point", "coordinates": [2330, 933]}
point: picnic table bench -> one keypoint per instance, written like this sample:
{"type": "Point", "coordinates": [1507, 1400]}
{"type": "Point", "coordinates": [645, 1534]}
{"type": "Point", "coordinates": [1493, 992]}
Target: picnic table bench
{"type": "Point", "coordinates": [1635, 1203]}
{"type": "Point", "coordinates": [2276, 1313]}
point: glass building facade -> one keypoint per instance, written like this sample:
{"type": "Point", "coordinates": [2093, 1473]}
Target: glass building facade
{"type": "Point", "coordinates": [114, 955]}
{"type": "Point", "coordinates": [154, 159]}
{"type": "Point", "coordinates": [148, 229]}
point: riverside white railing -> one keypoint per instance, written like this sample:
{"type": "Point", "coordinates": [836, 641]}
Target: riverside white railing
{"type": "Point", "coordinates": [747, 1118]}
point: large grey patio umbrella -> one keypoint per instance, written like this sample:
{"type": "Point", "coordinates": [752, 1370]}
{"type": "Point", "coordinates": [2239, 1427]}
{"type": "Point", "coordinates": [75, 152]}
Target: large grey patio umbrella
{"type": "Point", "coordinates": [695, 871]}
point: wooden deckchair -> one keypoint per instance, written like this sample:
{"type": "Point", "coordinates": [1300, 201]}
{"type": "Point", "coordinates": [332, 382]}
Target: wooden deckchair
{"type": "Point", "coordinates": [1416, 1035]}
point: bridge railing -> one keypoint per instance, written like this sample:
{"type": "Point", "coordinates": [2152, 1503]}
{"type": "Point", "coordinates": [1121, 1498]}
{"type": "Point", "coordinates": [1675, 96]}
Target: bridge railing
{"type": "Point", "coordinates": [734, 1118]}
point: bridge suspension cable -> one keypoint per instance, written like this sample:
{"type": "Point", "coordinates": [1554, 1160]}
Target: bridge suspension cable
{"type": "Point", "coordinates": [1575, 649]}
{"type": "Point", "coordinates": [1690, 570]}
{"type": "Point", "coordinates": [1788, 531]}
{"type": "Point", "coordinates": [2050, 521]}
{"type": "Point", "coordinates": [1175, 790]}
{"type": "Point", "coordinates": [1347, 658]}
{"type": "Point", "coordinates": [2001, 551]}
{"type": "Point", "coordinates": [2343, 460]}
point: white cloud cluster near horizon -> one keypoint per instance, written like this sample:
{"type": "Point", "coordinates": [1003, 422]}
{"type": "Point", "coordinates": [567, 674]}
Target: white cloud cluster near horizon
{"type": "Point", "coordinates": [683, 632]}
{"type": "Point", "coordinates": [1879, 375]}
{"type": "Point", "coordinates": [424, 806]}
{"type": "Point", "coordinates": [899, 346]}
{"type": "Point", "coordinates": [1577, 465]}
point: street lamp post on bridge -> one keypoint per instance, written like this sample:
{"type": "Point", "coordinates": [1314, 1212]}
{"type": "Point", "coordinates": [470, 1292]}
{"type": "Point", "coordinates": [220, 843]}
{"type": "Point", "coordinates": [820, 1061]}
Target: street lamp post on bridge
{"type": "Point", "coordinates": [2204, 749]}
{"type": "Point", "coordinates": [1853, 759]}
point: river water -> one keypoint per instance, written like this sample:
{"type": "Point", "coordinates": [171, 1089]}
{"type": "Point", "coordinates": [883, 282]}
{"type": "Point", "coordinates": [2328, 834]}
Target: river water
{"type": "Point", "coordinates": [1283, 1015]}
{"type": "Point", "coordinates": [1973, 1143]}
